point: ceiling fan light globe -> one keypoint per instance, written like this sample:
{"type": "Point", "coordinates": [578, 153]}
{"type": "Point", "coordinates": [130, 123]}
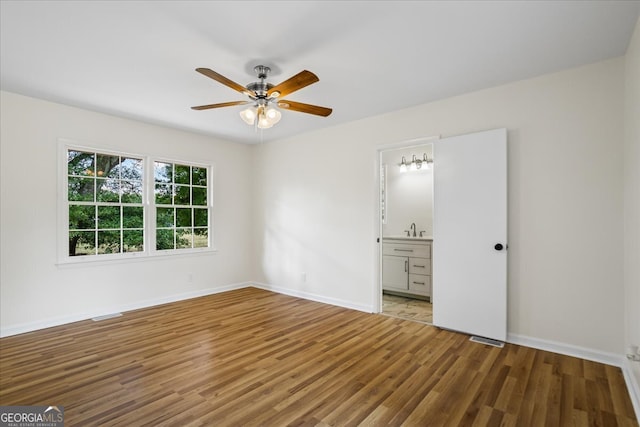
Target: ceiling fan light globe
{"type": "Point", "coordinates": [273, 115]}
{"type": "Point", "coordinates": [248, 116]}
{"type": "Point", "coordinates": [264, 123]}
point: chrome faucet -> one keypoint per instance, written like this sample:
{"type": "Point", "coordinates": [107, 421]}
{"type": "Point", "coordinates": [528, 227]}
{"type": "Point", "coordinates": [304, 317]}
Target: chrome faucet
{"type": "Point", "coordinates": [413, 227]}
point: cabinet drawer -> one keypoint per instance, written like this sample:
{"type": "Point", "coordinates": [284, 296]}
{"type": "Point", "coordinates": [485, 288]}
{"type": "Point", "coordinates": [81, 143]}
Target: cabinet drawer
{"type": "Point", "coordinates": [419, 265]}
{"type": "Point", "coordinates": [407, 249]}
{"type": "Point", "coordinates": [420, 284]}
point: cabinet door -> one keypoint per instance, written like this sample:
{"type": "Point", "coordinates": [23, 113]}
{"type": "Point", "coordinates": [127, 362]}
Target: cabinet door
{"type": "Point", "coordinates": [395, 272]}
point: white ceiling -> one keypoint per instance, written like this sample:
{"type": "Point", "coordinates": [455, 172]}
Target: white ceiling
{"type": "Point", "coordinates": [136, 59]}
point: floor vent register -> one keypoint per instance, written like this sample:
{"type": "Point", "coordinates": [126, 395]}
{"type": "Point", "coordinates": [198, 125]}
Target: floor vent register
{"type": "Point", "coordinates": [487, 341]}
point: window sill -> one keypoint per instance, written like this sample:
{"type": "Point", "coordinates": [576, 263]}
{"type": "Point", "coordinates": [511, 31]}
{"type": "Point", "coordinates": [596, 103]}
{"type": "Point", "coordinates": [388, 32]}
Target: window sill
{"type": "Point", "coordinates": [97, 260]}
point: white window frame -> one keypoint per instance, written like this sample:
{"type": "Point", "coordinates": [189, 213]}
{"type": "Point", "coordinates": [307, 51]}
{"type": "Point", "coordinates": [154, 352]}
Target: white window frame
{"type": "Point", "coordinates": [148, 203]}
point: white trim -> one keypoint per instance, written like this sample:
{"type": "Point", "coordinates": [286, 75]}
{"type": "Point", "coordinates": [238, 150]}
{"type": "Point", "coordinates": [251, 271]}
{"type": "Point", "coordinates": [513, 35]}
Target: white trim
{"type": "Point", "coordinates": [148, 204]}
{"type": "Point", "coordinates": [314, 297]}
{"type": "Point", "coordinates": [378, 226]}
{"type": "Point", "coordinates": [632, 385]}
{"type": "Point", "coordinates": [57, 321]}
{"type": "Point", "coordinates": [567, 349]}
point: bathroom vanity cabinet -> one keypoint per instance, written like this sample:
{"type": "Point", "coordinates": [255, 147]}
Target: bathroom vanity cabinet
{"type": "Point", "coordinates": [406, 266]}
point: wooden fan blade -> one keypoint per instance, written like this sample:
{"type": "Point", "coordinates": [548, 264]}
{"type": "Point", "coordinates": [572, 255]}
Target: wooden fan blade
{"type": "Point", "coordinates": [302, 79]}
{"type": "Point", "coordinates": [225, 81]}
{"type": "Point", "coordinates": [304, 108]}
{"type": "Point", "coordinates": [222, 104]}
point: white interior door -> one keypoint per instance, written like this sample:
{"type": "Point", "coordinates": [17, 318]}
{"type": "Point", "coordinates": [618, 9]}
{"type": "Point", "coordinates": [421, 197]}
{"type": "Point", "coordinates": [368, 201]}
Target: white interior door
{"type": "Point", "coordinates": [470, 234]}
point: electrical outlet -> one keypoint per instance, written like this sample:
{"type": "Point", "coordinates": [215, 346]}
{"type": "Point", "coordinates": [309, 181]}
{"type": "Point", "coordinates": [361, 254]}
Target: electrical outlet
{"type": "Point", "coordinates": [190, 278]}
{"type": "Point", "coordinates": [303, 277]}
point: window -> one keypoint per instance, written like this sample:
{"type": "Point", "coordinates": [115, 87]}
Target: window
{"type": "Point", "coordinates": [182, 216]}
{"type": "Point", "coordinates": [104, 194]}
{"type": "Point", "coordinates": [119, 205]}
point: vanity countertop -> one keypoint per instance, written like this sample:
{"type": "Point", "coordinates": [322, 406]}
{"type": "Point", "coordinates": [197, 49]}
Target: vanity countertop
{"type": "Point", "coordinates": [423, 238]}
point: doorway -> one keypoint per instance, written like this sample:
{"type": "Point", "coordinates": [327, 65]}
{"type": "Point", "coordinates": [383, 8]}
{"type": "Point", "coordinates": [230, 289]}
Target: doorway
{"type": "Point", "coordinates": [461, 267]}
{"type": "Point", "coordinates": [406, 218]}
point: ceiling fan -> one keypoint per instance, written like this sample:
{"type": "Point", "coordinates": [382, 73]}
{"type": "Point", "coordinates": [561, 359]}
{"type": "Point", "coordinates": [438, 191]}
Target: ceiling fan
{"type": "Point", "coordinates": [264, 96]}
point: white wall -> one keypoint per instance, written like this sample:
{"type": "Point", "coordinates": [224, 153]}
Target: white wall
{"type": "Point", "coordinates": [316, 208]}
{"type": "Point", "coordinates": [316, 199]}
{"type": "Point", "coordinates": [632, 198]}
{"type": "Point", "coordinates": [34, 292]}
{"type": "Point", "coordinates": [409, 194]}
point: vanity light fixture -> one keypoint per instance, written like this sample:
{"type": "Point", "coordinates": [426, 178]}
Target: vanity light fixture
{"type": "Point", "coordinates": [416, 164]}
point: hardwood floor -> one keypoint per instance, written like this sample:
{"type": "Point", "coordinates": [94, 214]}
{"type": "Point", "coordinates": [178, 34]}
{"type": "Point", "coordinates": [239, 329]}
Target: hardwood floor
{"type": "Point", "coordinates": [252, 357]}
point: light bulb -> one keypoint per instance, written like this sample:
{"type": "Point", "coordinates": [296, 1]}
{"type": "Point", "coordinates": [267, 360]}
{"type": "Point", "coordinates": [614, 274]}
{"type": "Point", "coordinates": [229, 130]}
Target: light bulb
{"type": "Point", "coordinates": [425, 161]}
{"type": "Point", "coordinates": [413, 166]}
{"type": "Point", "coordinates": [403, 165]}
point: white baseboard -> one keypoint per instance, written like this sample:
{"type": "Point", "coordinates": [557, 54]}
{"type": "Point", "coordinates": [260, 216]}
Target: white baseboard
{"type": "Point", "coordinates": [567, 349]}
{"type": "Point", "coordinates": [315, 297]}
{"type": "Point", "coordinates": [48, 323]}
{"type": "Point", "coordinates": [589, 354]}
{"type": "Point", "coordinates": [632, 385]}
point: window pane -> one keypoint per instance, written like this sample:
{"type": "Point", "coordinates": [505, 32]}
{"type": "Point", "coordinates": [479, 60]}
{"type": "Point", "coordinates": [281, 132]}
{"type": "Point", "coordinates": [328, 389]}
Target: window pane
{"type": "Point", "coordinates": [199, 176]}
{"type": "Point", "coordinates": [182, 195]}
{"type": "Point", "coordinates": [131, 191]}
{"type": "Point", "coordinates": [81, 189]}
{"type": "Point", "coordinates": [132, 241]}
{"type": "Point", "coordinates": [184, 238]}
{"type": "Point", "coordinates": [109, 242]}
{"type": "Point", "coordinates": [164, 194]}
{"type": "Point", "coordinates": [183, 217]}
{"type": "Point", "coordinates": [108, 190]}
{"type": "Point", "coordinates": [162, 172]}
{"type": "Point", "coordinates": [164, 239]}
{"type": "Point", "coordinates": [131, 169]}
{"type": "Point", "coordinates": [82, 243]}
{"type": "Point", "coordinates": [201, 238]}
{"type": "Point", "coordinates": [82, 217]}
{"type": "Point", "coordinates": [199, 196]}
{"type": "Point", "coordinates": [200, 217]}
{"type": "Point", "coordinates": [182, 174]}
{"type": "Point", "coordinates": [164, 217]}
{"type": "Point", "coordinates": [108, 217]}
{"type": "Point", "coordinates": [105, 197]}
{"type": "Point", "coordinates": [132, 217]}
{"type": "Point", "coordinates": [80, 163]}
{"type": "Point", "coordinates": [107, 166]}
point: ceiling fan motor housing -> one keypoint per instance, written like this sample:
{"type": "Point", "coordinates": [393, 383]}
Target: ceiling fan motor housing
{"type": "Point", "coordinates": [260, 88]}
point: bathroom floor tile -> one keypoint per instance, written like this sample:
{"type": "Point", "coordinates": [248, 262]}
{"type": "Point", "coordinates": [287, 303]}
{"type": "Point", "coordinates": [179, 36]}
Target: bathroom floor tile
{"type": "Point", "coordinates": [407, 308]}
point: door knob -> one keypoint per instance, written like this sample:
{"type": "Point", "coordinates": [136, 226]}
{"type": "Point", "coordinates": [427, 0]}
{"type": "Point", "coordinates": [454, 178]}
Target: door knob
{"type": "Point", "coordinates": [498, 247]}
